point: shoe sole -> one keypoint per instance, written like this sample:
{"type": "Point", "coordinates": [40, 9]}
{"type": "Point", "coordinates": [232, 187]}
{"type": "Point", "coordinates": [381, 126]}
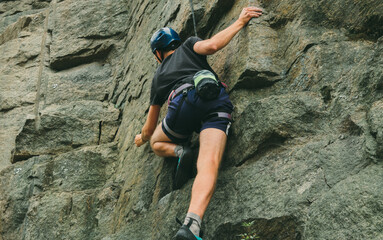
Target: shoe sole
{"type": "Point", "coordinates": [185, 234]}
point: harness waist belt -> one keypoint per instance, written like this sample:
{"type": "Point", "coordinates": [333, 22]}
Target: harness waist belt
{"type": "Point", "coordinates": [179, 90]}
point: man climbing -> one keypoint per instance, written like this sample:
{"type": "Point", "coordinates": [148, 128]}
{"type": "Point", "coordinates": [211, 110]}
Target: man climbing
{"type": "Point", "coordinates": [181, 67]}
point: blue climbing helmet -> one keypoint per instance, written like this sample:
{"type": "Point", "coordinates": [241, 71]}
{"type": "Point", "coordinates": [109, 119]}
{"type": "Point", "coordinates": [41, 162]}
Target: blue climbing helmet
{"type": "Point", "coordinates": [165, 39]}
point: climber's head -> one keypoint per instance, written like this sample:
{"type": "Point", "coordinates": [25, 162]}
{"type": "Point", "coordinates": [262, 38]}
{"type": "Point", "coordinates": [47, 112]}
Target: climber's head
{"type": "Point", "coordinates": [164, 40]}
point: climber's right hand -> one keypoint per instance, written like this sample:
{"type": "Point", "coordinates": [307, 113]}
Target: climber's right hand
{"type": "Point", "coordinates": [249, 13]}
{"type": "Point", "coordinates": [139, 141]}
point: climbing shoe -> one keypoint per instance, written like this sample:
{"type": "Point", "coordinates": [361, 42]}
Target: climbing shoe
{"type": "Point", "coordinates": [184, 233]}
{"type": "Point", "coordinates": [184, 168]}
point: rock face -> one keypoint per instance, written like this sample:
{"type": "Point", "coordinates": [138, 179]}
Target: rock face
{"type": "Point", "coordinates": [304, 156]}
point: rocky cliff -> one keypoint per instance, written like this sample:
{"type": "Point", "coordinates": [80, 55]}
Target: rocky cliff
{"type": "Point", "coordinates": [304, 157]}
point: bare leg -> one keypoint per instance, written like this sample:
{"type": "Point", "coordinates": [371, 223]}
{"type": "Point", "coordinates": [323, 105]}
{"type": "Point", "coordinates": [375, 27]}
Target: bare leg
{"type": "Point", "coordinates": [161, 144]}
{"type": "Point", "coordinates": [212, 146]}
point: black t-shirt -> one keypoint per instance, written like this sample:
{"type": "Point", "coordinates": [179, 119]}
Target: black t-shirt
{"type": "Point", "coordinates": [176, 69]}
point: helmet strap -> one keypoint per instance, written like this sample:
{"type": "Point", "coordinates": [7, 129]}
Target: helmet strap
{"type": "Point", "coordinates": [161, 55]}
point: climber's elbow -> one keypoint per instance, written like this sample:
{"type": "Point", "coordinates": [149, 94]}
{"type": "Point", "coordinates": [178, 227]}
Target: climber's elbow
{"type": "Point", "coordinates": [213, 48]}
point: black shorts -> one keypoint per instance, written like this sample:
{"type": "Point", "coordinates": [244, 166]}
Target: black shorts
{"type": "Point", "coordinates": [180, 123]}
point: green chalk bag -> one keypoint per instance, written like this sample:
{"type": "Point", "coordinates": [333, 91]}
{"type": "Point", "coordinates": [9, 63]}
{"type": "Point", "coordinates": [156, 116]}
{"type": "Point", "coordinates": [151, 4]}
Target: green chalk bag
{"type": "Point", "coordinates": [206, 85]}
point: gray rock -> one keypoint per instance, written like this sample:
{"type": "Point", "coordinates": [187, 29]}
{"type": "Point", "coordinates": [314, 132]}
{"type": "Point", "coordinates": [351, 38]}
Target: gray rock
{"type": "Point", "coordinates": [350, 209]}
{"type": "Point", "coordinates": [79, 30]}
{"type": "Point", "coordinates": [57, 193]}
{"type": "Point", "coordinates": [376, 123]}
{"type": "Point", "coordinates": [12, 11]}
{"type": "Point", "coordinates": [20, 45]}
{"type": "Point", "coordinates": [66, 127]}
{"type": "Point", "coordinates": [88, 82]}
{"type": "Point", "coordinates": [16, 188]}
{"type": "Point", "coordinates": [11, 122]}
{"type": "Point", "coordinates": [276, 228]}
{"type": "Point", "coordinates": [269, 122]}
{"type": "Point", "coordinates": [303, 159]}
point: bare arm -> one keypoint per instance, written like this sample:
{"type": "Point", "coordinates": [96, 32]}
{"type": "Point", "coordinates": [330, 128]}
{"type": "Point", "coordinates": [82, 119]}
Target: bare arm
{"type": "Point", "coordinates": [221, 39]}
{"type": "Point", "coordinates": [149, 126]}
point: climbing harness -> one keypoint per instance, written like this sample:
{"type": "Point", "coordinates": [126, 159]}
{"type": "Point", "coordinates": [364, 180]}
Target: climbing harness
{"type": "Point", "coordinates": [205, 83]}
{"type": "Point", "coordinates": [184, 89]}
{"type": "Point", "coordinates": [194, 24]}
{"type": "Point", "coordinates": [207, 87]}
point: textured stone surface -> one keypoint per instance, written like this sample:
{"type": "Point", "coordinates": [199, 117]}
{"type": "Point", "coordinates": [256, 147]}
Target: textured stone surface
{"type": "Point", "coordinates": [20, 47]}
{"type": "Point", "coordinates": [11, 122]}
{"type": "Point", "coordinates": [50, 195]}
{"type": "Point", "coordinates": [271, 121]}
{"type": "Point", "coordinates": [345, 216]}
{"type": "Point", "coordinates": [304, 156]}
{"type": "Point", "coordinates": [82, 31]}
{"type": "Point", "coordinates": [89, 82]}
{"type": "Point", "coordinates": [376, 122]}
{"type": "Point", "coordinates": [65, 127]}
